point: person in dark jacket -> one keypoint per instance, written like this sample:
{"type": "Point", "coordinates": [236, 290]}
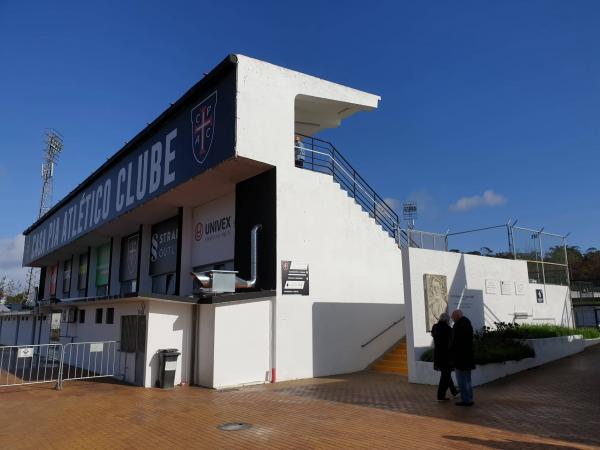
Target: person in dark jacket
{"type": "Point", "coordinates": [441, 333]}
{"type": "Point", "coordinates": [461, 349]}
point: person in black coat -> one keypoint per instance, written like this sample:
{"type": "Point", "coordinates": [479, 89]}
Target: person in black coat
{"type": "Point", "coordinates": [461, 348]}
{"type": "Point", "coordinates": [441, 333]}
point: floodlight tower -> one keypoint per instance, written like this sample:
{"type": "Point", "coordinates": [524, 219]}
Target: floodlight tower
{"type": "Point", "coordinates": [409, 213]}
{"type": "Point", "coordinates": [53, 146]}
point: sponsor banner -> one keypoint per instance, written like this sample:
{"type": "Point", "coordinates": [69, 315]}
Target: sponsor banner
{"type": "Point", "coordinates": [197, 136]}
{"type": "Point", "coordinates": [294, 278]}
{"type": "Point", "coordinates": [67, 275]}
{"type": "Point", "coordinates": [102, 265]}
{"type": "Point", "coordinates": [53, 280]}
{"type": "Point", "coordinates": [214, 231]}
{"type": "Point", "coordinates": [163, 246]}
{"type": "Point", "coordinates": [83, 270]}
{"type": "Point", "coordinates": [128, 267]}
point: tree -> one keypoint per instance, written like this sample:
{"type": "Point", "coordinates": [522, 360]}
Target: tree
{"type": "Point", "coordinates": [11, 292]}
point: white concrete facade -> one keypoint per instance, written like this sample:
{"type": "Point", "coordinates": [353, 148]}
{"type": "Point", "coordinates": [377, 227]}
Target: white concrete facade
{"type": "Point", "coordinates": [360, 281]}
{"type": "Point", "coordinates": [467, 290]}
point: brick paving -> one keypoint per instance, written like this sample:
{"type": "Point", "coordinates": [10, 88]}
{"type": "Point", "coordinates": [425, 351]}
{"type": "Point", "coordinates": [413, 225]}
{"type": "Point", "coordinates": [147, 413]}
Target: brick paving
{"type": "Point", "coordinates": [554, 407]}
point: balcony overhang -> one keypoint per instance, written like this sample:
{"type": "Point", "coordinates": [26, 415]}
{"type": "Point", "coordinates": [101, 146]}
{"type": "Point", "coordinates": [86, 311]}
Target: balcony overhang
{"type": "Point", "coordinates": [313, 114]}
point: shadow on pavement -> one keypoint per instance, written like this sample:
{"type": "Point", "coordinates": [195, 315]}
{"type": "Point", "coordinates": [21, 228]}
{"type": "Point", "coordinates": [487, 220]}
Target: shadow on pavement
{"type": "Point", "coordinates": [559, 400]}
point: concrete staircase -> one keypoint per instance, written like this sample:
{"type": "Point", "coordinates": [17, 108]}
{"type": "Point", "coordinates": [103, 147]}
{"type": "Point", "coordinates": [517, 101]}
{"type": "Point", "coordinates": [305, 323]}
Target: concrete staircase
{"type": "Point", "coordinates": [393, 361]}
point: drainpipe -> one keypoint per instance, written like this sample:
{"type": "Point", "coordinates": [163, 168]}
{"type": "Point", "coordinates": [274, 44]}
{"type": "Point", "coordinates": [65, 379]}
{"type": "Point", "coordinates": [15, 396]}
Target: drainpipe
{"type": "Point", "coordinates": [192, 380]}
{"type": "Point", "coordinates": [273, 338]}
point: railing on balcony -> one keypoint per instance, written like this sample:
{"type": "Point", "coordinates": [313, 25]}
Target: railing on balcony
{"type": "Point", "coordinates": [321, 156]}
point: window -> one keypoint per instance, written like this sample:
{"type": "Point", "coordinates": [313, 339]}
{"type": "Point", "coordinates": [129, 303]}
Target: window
{"type": "Point", "coordinates": [110, 315]}
{"type": "Point", "coordinates": [82, 316]}
{"type": "Point", "coordinates": [99, 315]}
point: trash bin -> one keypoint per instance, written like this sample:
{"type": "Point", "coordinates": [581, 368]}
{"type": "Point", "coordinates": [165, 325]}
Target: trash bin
{"type": "Point", "coordinates": [168, 366]}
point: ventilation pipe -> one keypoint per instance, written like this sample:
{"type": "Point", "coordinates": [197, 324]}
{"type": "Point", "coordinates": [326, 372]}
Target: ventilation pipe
{"type": "Point", "coordinates": [207, 279]}
{"type": "Point", "coordinates": [246, 284]}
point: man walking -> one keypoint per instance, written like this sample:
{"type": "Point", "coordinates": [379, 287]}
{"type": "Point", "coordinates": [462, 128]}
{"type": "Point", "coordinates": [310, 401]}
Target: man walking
{"type": "Point", "coordinates": [462, 352]}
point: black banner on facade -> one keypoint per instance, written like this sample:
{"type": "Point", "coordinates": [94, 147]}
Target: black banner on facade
{"type": "Point", "coordinates": [163, 246]}
{"type": "Point", "coordinates": [129, 258]}
{"type": "Point", "coordinates": [294, 278]}
{"type": "Point", "coordinates": [197, 135]}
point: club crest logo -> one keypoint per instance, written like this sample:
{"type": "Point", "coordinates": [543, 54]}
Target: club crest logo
{"type": "Point", "coordinates": [199, 231]}
{"type": "Point", "coordinates": [203, 127]}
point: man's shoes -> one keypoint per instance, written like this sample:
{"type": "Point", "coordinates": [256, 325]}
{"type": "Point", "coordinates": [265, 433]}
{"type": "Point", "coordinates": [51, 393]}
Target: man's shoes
{"type": "Point", "coordinates": [464, 404]}
{"type": "Point", "coordinates": [456, 395]}
{"type": "Point", "coordinates": [443, 400]}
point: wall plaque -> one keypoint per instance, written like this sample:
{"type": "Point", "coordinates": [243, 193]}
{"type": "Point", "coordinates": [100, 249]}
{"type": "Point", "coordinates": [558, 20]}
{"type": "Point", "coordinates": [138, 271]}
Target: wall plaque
{"type": "Point", "coordinates": [507, 287]}
{"type": "Point", "coordinates": [436, 298]}
{"type": "Point", "coordinates": [492, 287]}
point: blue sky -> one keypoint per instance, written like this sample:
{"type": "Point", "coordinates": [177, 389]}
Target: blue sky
{"type": "Point", "coordinates": [490, 110]}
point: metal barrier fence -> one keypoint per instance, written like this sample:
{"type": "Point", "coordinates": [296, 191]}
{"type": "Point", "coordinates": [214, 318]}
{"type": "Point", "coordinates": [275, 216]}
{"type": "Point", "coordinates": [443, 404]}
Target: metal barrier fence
{"type": "Point", "coordinates": [84, 360]}
{"type": "Point", "coordinates": [56, 363]}
{"type": "Point", "coordinates": [30, 364]}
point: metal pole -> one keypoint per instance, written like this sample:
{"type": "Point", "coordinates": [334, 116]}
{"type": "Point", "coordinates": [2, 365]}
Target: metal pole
{"type": "Point", "coordinates": [542, 261]}
{"type": "Point", "coordinates": [512, 240]}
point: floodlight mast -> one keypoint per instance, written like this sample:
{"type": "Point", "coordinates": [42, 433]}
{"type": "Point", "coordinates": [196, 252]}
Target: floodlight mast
{"type": "Point", "coordinates": [53, 147]}
{"type": "Point", "coordinates": [409, 213]}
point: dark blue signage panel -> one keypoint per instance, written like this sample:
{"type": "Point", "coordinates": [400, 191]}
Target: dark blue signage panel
{"type": "Point", "coordinates": [198, 136]}
{"type": "Point", "coordinates": [163, 246]}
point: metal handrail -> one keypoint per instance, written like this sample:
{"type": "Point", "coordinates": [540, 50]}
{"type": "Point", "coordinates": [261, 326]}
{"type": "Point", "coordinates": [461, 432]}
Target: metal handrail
{"type": "Point", "coordinates": [379, 334]}
{"type": "Point", "coordinates": [325, 158]}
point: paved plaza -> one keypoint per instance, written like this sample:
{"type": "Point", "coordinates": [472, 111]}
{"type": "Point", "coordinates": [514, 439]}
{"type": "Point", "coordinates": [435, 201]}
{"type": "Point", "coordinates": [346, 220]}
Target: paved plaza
{"type": "Point", "coordinates": [554, 407]}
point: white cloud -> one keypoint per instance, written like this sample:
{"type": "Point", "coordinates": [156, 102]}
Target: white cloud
{"type": "Point", "coordinates": [489, 198]}
{"type": "Point", "coordinates": [11, 256]}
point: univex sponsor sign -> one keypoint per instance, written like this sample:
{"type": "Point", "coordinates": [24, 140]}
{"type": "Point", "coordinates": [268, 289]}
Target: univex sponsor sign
{"type": "Point", "coordinates": [197, 136]}
{"type": "Point", "coordinates": [214, 231]}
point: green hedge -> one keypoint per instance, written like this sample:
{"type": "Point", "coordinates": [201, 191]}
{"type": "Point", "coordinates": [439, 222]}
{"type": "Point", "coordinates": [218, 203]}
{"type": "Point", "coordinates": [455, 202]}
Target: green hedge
{"type": "Point", "coordinates": [539, 331]}
{"type": "Point", "coordinates": [504, 342]}
{"type": "Point", "coordinates": [489, 351]}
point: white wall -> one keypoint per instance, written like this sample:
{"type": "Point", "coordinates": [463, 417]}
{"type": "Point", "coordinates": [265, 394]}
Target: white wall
{"type": "Point", "coordinates": [356, 287]}
{"type": "Point", "coordinates": [466, 282]}
{"type": "Point", "coordinates": [242, 343]}
{"type": "Point", "coordinates": [355, 269]}
{"type": "Point", "coordinates": [266, 97]}
{"type": "Point", "coordinates": [169, 326]}
{"type": "Point", "coordinates": [90, 331]}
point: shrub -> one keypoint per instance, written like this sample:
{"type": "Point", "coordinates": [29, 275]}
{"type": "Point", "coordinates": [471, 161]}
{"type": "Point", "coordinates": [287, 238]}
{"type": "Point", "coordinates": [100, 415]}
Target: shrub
{"type": "Point", "coordinates": [505, 341]}
{"type": "Point", "coordinates": [538, 331]}
{"type": "Point", "coordinates": [493, 350]}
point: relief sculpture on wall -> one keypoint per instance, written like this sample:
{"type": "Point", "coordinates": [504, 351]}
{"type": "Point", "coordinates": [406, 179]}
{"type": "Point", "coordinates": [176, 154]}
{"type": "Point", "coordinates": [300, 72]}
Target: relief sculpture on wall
{"type": "Point", "coordinates": [436, 298]}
